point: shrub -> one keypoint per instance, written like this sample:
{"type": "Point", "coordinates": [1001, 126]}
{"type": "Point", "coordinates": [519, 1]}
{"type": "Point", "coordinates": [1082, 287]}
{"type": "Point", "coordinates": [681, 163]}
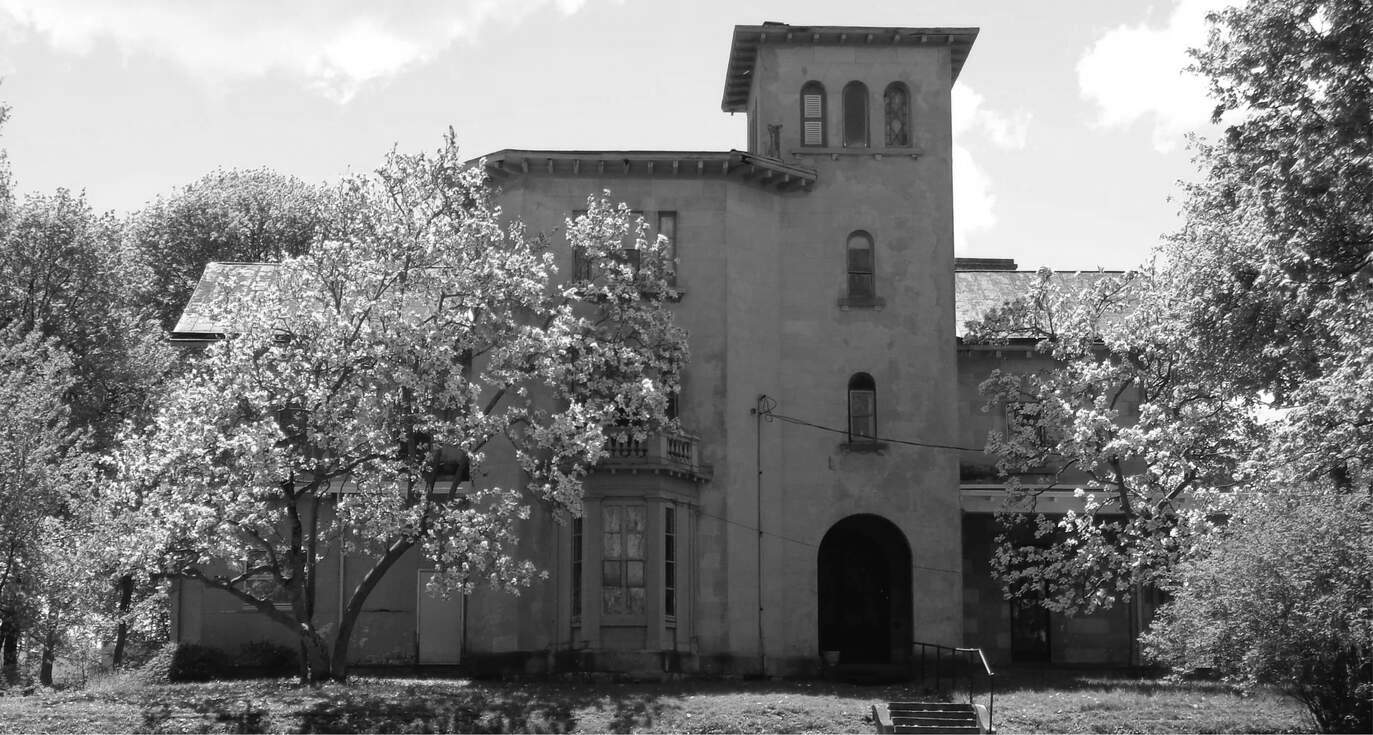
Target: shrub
{"type": "Point", "coordinates": [264, 658]}
{"type": "Point", "coordinates": [194, 662]}
{"type": "Point", "coordinates": [1281, 597]}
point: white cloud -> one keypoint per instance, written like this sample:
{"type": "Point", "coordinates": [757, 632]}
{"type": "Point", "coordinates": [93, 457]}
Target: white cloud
{"type": "Point", "coordinates": [974, 202]}
{"type": "Point", "coordinates": [971, 117]}
{"type": "Point", "coordinates": [1136, 71]}
{"type": "Point", "coordinates": [333, 47]}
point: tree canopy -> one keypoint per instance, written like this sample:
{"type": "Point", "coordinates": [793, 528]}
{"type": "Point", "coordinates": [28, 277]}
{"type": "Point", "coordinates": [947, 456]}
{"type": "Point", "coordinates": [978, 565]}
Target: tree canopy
{"type": "Point", "coordinates": [1216, 428]}
{"type": "Point", "coordinates": [386, 363]}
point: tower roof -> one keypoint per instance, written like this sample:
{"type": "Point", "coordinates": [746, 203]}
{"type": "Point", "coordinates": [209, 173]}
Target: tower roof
{"type": "Point", "coordinates": [743, 51]}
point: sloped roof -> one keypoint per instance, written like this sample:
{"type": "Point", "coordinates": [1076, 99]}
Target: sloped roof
{"type": "Point", "coordinates": [218, 279]}
{"type": "Point", "coordinates": [977, 292]}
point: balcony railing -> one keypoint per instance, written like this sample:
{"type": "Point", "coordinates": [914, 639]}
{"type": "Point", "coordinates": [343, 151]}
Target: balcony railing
{"type": "Point", "coordinates": [666, 452]}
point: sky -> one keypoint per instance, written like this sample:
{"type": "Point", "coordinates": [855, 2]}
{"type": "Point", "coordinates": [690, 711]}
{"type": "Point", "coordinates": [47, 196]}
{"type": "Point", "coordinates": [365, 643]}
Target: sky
{"type": "Point", "coordinates": [1070, 116]}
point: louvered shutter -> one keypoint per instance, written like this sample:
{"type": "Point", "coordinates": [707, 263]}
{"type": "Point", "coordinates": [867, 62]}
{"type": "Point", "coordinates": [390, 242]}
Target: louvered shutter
{"type": "Point", "coordinates": [812, 123]}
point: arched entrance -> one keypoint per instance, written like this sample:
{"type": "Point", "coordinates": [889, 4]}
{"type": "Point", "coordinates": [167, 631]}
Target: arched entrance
{"type": "Point", "coordinates": [864, 569]}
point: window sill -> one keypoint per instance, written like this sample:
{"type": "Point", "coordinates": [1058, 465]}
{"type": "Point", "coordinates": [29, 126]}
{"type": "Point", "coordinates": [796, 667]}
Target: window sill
{"type": "Point", "coordinates": [865, 304]}
{"type": "Point", "coordinates": [863, 448]}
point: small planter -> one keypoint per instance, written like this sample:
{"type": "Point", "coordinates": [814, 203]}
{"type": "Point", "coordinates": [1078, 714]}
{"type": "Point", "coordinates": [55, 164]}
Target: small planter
{"type": "Point", "coordinates": [830, 658]}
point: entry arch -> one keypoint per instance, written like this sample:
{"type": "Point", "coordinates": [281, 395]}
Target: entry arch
{"type": "Point", "coordinates": [863, 572]}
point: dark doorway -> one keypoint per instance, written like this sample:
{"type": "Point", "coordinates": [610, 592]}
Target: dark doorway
{"type": "Point", "coordinates": [864, 571]}
{"type": "Point", "coordinates": [1029, 631]}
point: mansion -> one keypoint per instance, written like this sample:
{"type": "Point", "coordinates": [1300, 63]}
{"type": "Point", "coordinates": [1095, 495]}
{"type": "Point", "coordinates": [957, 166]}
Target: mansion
{"type": "Point", "coordinates": [825, 494]}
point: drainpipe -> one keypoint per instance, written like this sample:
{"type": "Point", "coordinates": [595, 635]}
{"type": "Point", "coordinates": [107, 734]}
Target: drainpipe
{"type": "Point", "coordinates": [758, 496]}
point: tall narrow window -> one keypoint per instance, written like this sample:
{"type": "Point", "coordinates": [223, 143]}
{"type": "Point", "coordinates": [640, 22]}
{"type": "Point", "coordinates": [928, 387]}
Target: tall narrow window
{"type": "Point", "coordinates": [667, 227]}
{"type": "Point", "coordinates": [813, 114]}
{"type": "Point", "coordinates": [860, 266]}
{"type": "Point", "coordinates": [670, 560]}
{"type": "Point", "coordinates": [855, 115]}
{"type": "Point", "coordinates": [862, 409]}
{"type": "Point", "coordinates": [576, 567]}
{"type": "Point", "coordinates": [622, 560]}
{"type": "Point", "coordinates": [896, 102]}
{"type": "Point", "coordinates": [674, 405]}
{"type": "Point", "coordinates": [581, 264]}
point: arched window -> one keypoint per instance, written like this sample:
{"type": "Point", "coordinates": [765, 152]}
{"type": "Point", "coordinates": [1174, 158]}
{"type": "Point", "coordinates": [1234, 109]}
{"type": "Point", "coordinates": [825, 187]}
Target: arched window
{"type": "Point", "coordinates": [813, 114]}
{"type": "Point", "coordinates": [861, 268]}
{"type": "Point", "coordinates": [855, 115]}
{"type": "Point", "coordinates": [862, 409]}
{"type": "Point", "coordinates": [896, 101]}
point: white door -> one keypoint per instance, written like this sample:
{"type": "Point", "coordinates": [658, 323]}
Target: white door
{"type": "Point", "coordinates": [438, 625]}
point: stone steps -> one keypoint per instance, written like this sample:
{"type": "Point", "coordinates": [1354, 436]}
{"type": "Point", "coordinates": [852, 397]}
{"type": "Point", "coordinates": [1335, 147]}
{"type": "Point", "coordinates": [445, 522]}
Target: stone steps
{"type": "Point", "coordinates": [926, 717]}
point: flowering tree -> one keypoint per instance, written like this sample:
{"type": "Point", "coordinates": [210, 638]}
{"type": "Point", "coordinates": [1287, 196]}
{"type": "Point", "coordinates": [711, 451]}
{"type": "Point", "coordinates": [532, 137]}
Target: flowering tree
{"type": "Point", "coordinates": [1126, 414]}
{"type": "Point", "coordinates": [384, 361]}
{"type": "Point", "coordinates": [1252, 351]}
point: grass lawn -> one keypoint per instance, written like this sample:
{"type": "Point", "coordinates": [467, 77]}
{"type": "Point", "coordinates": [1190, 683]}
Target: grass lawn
{"type": "Point", "coordinates": [1026, 702]}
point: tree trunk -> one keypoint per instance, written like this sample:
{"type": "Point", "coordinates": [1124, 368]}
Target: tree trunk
{"type": "Point", "coordinates": [121, 631]}
{"type": "Point", "coordinates": [315, 666]}
{"type": "Point", "coordinates": [9, 649]}
{"type": "Point", "coordinates": [339, 660]}
{"type": "Point", "coordinates": [49, 656]}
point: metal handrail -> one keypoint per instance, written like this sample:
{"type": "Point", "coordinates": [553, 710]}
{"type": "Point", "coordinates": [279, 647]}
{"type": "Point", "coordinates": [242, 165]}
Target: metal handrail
{"type": "Point", "coordinates": [971, 656]}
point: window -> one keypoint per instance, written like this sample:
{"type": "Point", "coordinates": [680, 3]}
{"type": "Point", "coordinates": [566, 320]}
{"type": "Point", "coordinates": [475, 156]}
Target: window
{"type": "Point", "coordinates": [581, 265]}
{"type": "Point", "coordinates": [674, 405]}
{"type": "Point", "coordinates": [263, 584]}
{"type": "Point", "coordinates": [862, 409]}
{"type": "Point", "coordinates": [584, 269]}
{"type": "Point", "coordinates": [622, 560]}
{"type": "Point", "coordinates": [670, 561]}
{"type": "Point", "coordinates": [855, 115]}
{"type": "Point", "coordinates": [860, 268]}
{"type": "Point", "coordinates": [576, 567]}
{"type": "Point", "coordinates": [813, 114]}
{"type": "Point", "coordinates": [1023, 419]}
{"type": "Point", "coordinates": [667, 227]}
{"type": "Point", "coordinates": [896, 101]}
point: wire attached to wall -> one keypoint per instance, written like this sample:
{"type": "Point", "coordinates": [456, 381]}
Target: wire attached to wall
{"type": "Point", "coordinates": [766, 411]}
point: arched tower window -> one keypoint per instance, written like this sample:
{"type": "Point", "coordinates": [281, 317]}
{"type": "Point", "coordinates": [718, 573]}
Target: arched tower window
{"type": "Point", "coordinates": [861, 267]}
{"type": "Point", "coordinates": [855, 115]}
{"type": "Point", "coordinates": [896, 101]}
{"type": "Point", "coordinates": [862, 409]}
{"type": "Point", "coordinates": [813, 114]}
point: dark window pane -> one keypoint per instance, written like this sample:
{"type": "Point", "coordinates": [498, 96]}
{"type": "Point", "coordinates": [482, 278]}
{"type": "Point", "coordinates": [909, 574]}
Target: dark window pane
{"type": "Point", "coordinates": [611, 574]}
{"type": "Point", "coordinates": [855, 114]}
{"type": "Point", "coordinates": [860, 260]}
{"type": "Point", "coordinates": [860, 286]}
{"type": "Point", "coordinates": [635, 601]}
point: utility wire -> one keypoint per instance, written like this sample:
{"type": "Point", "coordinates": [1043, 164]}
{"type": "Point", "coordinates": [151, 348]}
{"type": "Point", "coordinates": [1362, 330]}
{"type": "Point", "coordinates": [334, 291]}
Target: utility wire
{"type": "Point", "coordinates": [799, 542]}
{"type": "Point", "coordinates": [769, 415]}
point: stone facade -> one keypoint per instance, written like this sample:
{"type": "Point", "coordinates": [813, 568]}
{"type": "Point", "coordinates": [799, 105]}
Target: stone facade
{"type": "Point", "coordinates": [816, 270]}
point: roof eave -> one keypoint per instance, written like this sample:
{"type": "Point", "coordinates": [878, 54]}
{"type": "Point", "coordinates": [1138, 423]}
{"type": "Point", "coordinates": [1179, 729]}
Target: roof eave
{"type": "Point", "coordinates": [743, 53]}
